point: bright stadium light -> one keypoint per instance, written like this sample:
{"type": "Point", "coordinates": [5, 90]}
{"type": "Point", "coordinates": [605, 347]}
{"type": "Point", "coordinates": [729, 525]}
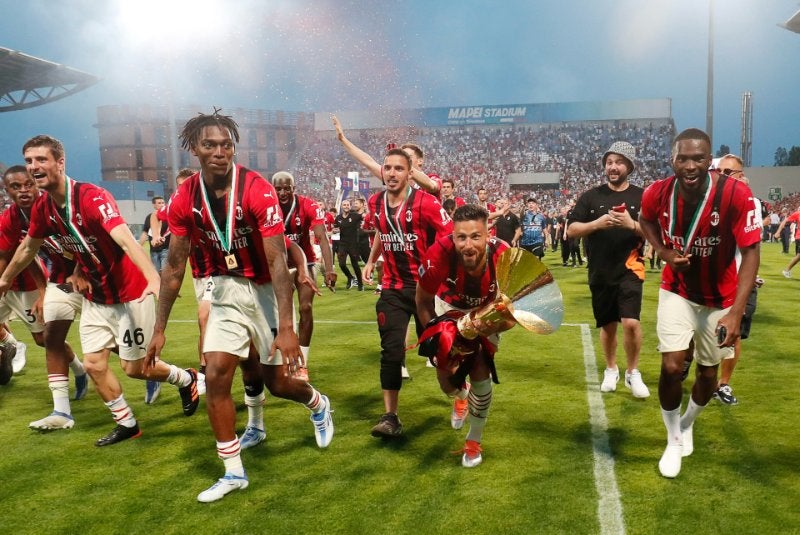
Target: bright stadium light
{"type": "Point", "coordinates": [170, 24]}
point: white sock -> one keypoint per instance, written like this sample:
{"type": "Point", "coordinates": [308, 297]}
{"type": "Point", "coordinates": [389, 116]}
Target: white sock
{"type": "Point", "coordinates": [9, 340]}
{"type": "Point", "coordinates": [480, 399]}
{"type": "Point", "coordinates": [693, 410]}
{"type": "Point", "coordinates": [672, 421]}
{"type": "Point", "coordinates": [304, 350]}
{"type": "Point", "coordinates": [229, 452]}
{"type": "Point", "coordinates": [178, 376]}
{"type": "Point", "coordinates": [315, 404]}
{"type": "Point", "coordinates": [255, 410]}
{"type": "Point", "coordinates": [59, 387]}
{"type": "Point", "coordinates": [121, 412]}
{"type": "Point", "coordinates": [77, 366]}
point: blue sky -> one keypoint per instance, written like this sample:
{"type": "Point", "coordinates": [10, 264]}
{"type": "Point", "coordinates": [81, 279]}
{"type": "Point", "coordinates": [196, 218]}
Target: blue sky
{"type": "Point", "coordinates": [329, 55]}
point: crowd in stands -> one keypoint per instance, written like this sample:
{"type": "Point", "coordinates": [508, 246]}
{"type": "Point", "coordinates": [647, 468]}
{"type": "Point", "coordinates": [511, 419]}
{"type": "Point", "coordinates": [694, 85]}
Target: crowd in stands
{"type": "Point", "coordinates": [484, 156]}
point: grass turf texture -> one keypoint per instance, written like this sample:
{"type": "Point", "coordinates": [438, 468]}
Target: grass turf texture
{"type": "Point", "coordinates": [537, 475]}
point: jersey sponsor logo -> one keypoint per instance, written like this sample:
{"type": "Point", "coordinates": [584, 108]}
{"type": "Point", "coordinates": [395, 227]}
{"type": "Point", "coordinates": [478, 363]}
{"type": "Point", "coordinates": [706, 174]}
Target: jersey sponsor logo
{"type": "Point", "coordinates": [106, 210]}
{"type": "Point", "coordinates": [752, 221]}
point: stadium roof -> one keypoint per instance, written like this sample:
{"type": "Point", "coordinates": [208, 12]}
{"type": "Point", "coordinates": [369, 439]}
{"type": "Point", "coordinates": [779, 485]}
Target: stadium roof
{"type": "Point", "coordinates": [26, 81]}
{"type": "Point", "coordinates": [793, 24]}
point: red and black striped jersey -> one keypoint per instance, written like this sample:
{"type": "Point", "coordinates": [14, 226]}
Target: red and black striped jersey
{"type": "Point", "coordinates": [443, 275]}
{"type": "Point", "coordinates": [727, 221]}
{"type": "Point", "coordinates": [406, 232]}
{"type": "Point", "coordinates": [299, 219]}
{"type": "Point", "coordinates": [83, 229]}
{"type": "Point", "coordinates": [256, 216]}
{"type": "Point", "coordinates": [13, 228]}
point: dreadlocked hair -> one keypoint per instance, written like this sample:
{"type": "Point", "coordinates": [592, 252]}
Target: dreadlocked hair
{"type": "Point", "coordinates": [190, 134]}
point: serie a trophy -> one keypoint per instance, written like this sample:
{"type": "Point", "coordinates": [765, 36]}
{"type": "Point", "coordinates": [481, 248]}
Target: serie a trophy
{"type": "Point", "coordinates": [527, 295]}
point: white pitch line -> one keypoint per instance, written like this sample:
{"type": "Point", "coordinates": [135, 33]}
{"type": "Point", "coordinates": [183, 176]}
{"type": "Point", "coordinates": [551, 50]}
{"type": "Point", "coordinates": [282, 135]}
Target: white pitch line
{"type": "Point", "coordinates": [609, 506]}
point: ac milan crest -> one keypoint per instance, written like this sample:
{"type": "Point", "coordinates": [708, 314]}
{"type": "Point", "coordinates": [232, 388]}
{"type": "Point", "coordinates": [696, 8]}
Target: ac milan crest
{"type": "Point", "coordinates": [714, 218]}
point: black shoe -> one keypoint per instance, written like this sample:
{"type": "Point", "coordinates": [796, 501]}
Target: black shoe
{"type": "Point", "coordinates": [7, 354]}
{"type": "Point", "coordinates": [388, 426]}
{"type": "Point", "coordinates": [687, 364]}
{"type": "Point", "coordinates": [725, 394]}
{"type": "Point", "coordinates": [190, 399]}
{"type": "Point", "coordinates": [118, 434]}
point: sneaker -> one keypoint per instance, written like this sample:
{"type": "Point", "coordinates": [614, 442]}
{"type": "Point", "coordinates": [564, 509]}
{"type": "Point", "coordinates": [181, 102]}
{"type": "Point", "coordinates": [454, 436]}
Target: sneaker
{"type": "Point", "coordinates": [81, 386]}
{"type": "Point", "coordinates": [118, 434]}
{"type": "Point", "coordinates": [786, 273]}
{"type": "Point", "coordinates": [378, 289]}
{"type": "Point", "coordinates": [323, 424]}
{"type": "Point", "coordinates": [223, 486]}
{"type": "Point", "coordinates": [19, 360]}
{"type": "Point", "coordinates": [388, 426]}
{"type": "Point", "coordinates": [201, 384]}
{"type": "Point", "coordinates": [460, 410]}
{"type": "Point", "coordinates": [302, 373]}
{"type": "Point", "coordinates": [6, 363]}
{"type": "Point", "coordinates": [472, 454]}
{"type": "Point", "coordinates": [610, 379]}
{"type": "Point", "coordinates": [687, 365]}
{"type": "Point", "coordinates": [688, 441]}
{"type": "Point", "coordinates": [404, 373]}
{"type": "Point", "coordinates": [670, 463]}
{"type": "Point", "coordinates": [53, 421]}
{"type": "Point", "coordinates": [190, 398]}
{"type": "Point", "coordinates": [633, 380]}
{"type": "Point", "coordinates": [725, 395]}
{"type": "Point", "coordinates": [429, 364]}
{"type": "Point", "coordinates": [152, 391]}
{"type": "Point", "coordinates": [252, 436]}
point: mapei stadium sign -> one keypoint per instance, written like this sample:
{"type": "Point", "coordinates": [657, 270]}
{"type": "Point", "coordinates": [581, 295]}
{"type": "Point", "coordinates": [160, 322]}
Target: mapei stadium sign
{"type": "Point", "coordinates": [482, 113]}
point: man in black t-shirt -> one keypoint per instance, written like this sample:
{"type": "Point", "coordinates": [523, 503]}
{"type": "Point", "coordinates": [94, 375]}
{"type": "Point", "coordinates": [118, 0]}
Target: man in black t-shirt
{"type": "Point", "coordinates": [349, 223]}
{"type": "Point", "coordinates": [606, 216]}
{"type": "Point", "coordinates": [507, 226]}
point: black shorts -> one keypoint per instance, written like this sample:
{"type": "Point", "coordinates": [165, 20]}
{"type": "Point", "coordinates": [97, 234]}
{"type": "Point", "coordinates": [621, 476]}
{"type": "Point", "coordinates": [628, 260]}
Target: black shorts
{"type": "Point", "coordinates": [537, 249]}
{"type": "Point", "coordinates": [394, 309]}
{"type": "Point", "coordinates": [611, 303]}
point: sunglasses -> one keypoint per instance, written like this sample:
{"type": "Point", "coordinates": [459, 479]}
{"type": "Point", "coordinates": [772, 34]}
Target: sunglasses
{"type": "Point", "coordinates": [732, 172]}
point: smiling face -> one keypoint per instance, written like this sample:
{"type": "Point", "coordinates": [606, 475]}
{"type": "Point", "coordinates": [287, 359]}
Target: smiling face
{"type": "Point", "coordinates": [285, 189]}
{"type": "Point", "coordinates": [690, 161]}
{"type": "Point", "coordinates": [215, 149]}
{"type": "Point", "coordinates": [469, 238]}
{"type": "Point", "coordinates": [21, 189]}
{"type": "Point", "coordinates": [345, 206]}
{"type": "Point", "coordinates": [44, 168]}
{"type": "Point", "coordinates": [617, 169]}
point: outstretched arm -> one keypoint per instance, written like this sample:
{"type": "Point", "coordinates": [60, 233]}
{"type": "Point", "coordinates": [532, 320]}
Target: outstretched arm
{"type": "Point", "coordinates": [357, 154]}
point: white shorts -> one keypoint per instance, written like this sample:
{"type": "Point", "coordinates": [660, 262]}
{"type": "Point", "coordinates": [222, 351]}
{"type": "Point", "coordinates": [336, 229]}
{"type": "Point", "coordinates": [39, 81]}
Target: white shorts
{"type": "Point", "coordinates": [242, 312]}
{"type": "Point", "coordinates": [60, 305]}
{"type": "Point", "coordinates": [203, 288]}
{"type": "Point", "coordinates": [128, 326]}
{"type": "Point", "coordinates": [680, 320]}
{"type": "Point", "coordinates": [20, 303]}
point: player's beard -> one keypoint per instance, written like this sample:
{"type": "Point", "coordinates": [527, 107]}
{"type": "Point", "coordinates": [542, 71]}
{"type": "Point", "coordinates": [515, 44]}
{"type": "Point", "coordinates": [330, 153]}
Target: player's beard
{"type": "Point", "coordinates": [473, 261]}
